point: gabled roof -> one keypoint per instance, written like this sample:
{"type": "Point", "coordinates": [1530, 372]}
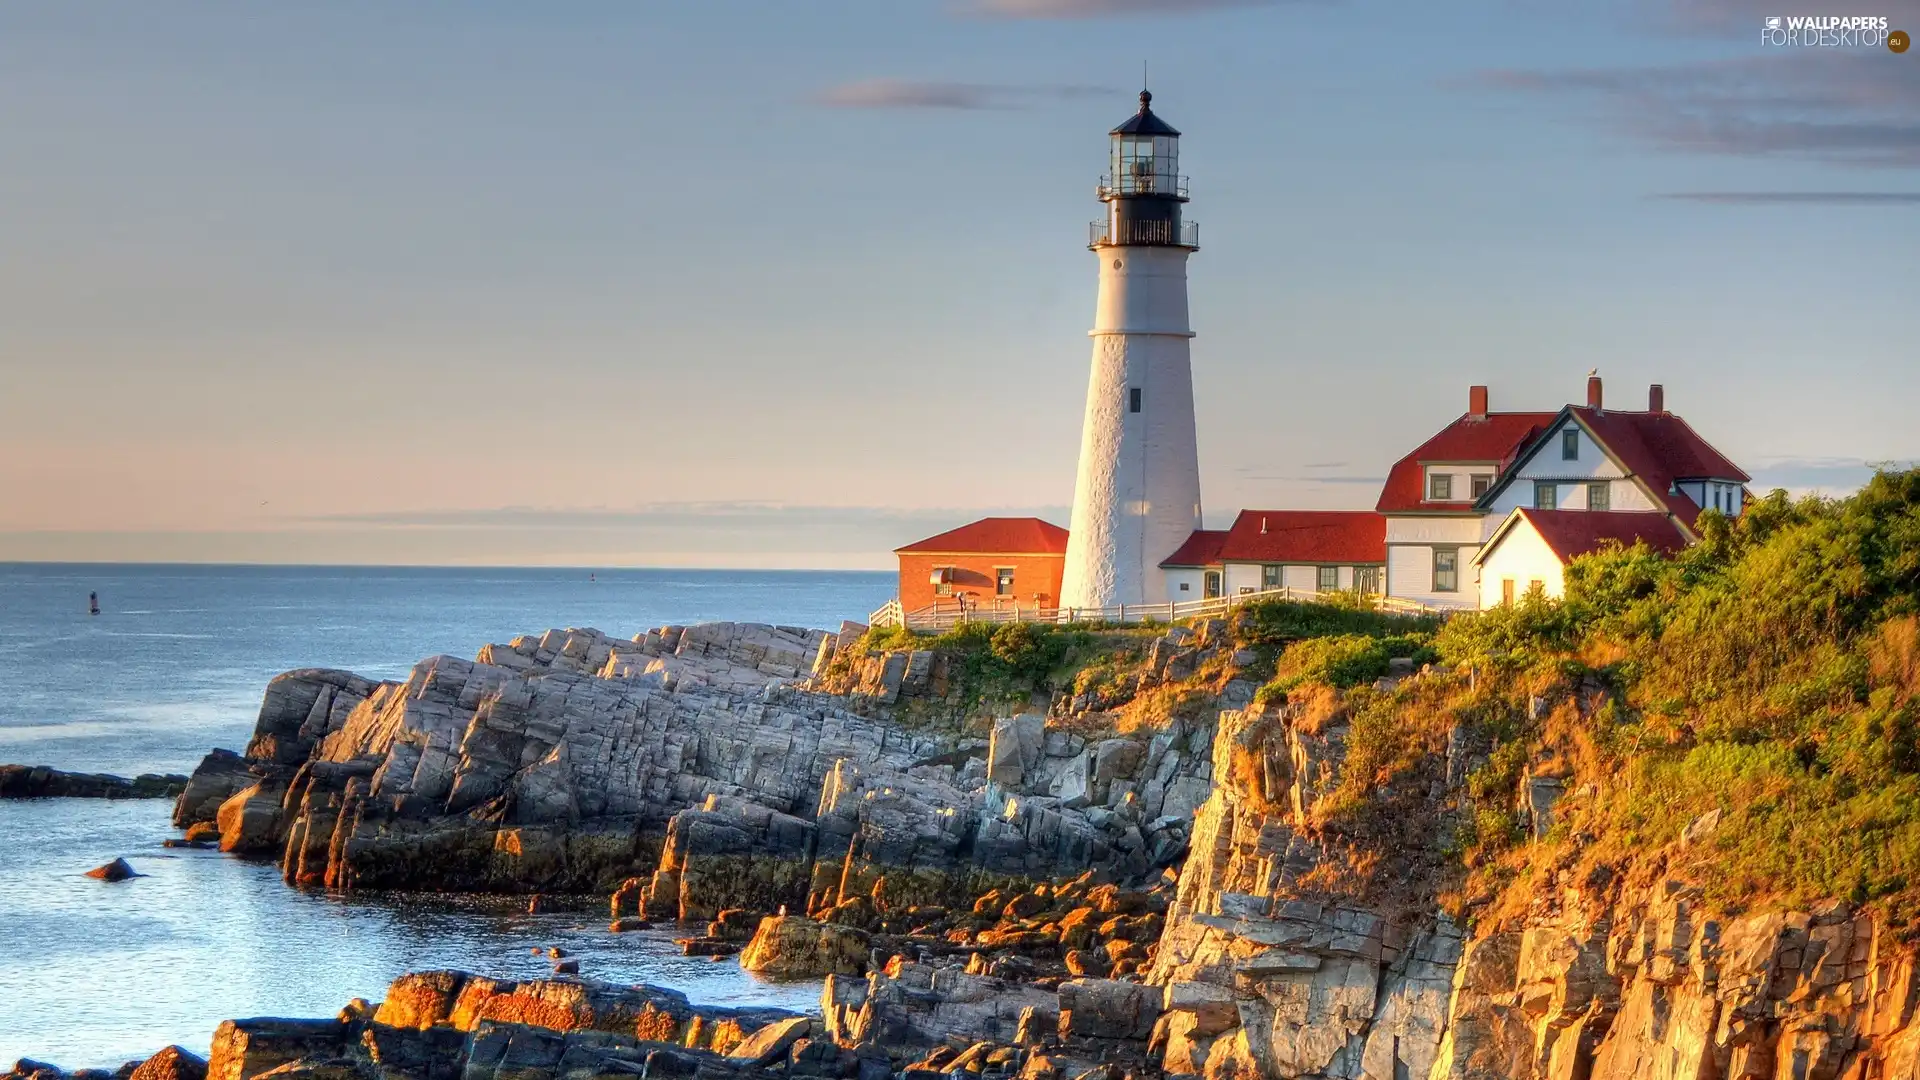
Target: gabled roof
{"type": "Point", "coordinates": [1494, 438]}
{"type": "Point", "coordinates": [1656, 448]}
{"type": "Point", "coordinates": [1200, 549]}
{"type": "Point", "coordinates": [995, 536]}
{"type": "Point", "coordinates": [1306, 536]}
{"type": "Point", "coordinates": [1573, 533]}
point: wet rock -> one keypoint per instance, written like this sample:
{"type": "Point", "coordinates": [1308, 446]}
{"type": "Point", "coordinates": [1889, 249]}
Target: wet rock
{"type": "Point", "coordinates": [117, 870]}
{"type": "Point", "coordinates": [40, 782]}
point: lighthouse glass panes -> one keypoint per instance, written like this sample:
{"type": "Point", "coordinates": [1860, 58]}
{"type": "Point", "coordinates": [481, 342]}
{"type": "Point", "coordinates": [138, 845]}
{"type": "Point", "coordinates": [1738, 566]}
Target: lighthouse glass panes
{"type": "Point", "coordinates": [1146, 165]}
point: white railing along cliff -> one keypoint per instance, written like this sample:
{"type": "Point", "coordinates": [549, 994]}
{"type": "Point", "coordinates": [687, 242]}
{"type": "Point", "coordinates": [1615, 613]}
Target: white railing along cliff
{"type": "Point", "coordinates": [939, 616]}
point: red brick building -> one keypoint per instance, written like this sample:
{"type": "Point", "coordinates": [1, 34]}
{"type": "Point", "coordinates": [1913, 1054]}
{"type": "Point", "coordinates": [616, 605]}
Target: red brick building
{"type": "Point", "coordinates": [990, 562]}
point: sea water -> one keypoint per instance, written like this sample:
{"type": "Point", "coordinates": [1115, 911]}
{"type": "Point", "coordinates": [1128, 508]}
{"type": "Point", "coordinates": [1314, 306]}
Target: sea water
{"type": "Point", "coordinates": [93, 974]}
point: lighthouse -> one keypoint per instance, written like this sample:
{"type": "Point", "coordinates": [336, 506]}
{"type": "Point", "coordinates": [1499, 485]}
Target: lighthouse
{"type": "Point", "coordinates": [1137, 495]}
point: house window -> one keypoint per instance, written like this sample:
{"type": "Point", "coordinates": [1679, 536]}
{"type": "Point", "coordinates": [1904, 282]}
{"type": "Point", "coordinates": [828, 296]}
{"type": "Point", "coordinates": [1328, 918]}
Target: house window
{"type": "Point", "coordinates": [1184, 587]}
{"type": "Point", "coordinates": [1479, 485]}
{"type": "Point", "coordinates": [943, 581]}
{"type": "Point", "coordinates": [1329, 579]}
{"type": "Point", "coordinates": [1446, 569]}
{"type": "Point", "coordinates": [1536, 586]}
{"type": "Point", "coordinates": [1212, 581]}
{"type": "Point", "coordinates": [1599, 497]}
{"type": "Point", "coordinates": [1270, 576]}
{"type": "Point", "coordinates": [1546, 496]}
{"type": "Point", "coordinates": [1133, 399]}
{"type": "Point", "coordinates": [1440, 487]}
{"type": "Point", "coordinates": [1003, 581]}
{"type": "Point", "coordinates": [1506, 591]}
{"type": "Point", "coordinates": [1570, 445]}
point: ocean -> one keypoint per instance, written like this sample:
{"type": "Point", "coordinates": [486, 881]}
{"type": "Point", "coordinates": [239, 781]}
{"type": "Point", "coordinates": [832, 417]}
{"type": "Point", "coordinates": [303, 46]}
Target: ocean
{"type": "Point", "coordinates": [96, 974]}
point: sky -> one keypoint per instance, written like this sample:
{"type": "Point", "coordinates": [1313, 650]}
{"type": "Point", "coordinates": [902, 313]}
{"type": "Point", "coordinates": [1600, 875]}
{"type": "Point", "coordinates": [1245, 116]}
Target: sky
{"type": "Point", "coordinates": [756, 283]}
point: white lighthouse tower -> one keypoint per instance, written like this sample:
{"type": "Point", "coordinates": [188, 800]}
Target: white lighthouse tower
{"type": "Point", "coordinates": [1137, 496]}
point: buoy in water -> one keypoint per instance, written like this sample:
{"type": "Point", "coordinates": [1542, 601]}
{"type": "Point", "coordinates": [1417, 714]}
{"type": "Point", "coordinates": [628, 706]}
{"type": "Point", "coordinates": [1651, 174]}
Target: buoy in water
{"type": "Point", "coordinates": [93, 603]}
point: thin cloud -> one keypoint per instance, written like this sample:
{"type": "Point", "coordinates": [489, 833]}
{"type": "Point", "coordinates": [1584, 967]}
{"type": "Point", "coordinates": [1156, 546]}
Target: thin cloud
{"type": "Point", "coordinates": [1832, 106]}
{"type": "Point", "coordinates": [1372, 481]}
{"type": "Point", "coordinates": [1104, 9]}
{"type": "Point", "coordinates": [918, 94]}
{"type": "Point", "coordinates": [701, 515]}
{"type": "Point", "coordinates": [1820, 475]}
{"type": "Point", "coordinates": [1798, 198]}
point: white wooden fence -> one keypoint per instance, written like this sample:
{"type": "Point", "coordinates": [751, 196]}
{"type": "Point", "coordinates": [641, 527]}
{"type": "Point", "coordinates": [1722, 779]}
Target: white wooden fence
{"type": "Point", "coordinates": [944, 616]}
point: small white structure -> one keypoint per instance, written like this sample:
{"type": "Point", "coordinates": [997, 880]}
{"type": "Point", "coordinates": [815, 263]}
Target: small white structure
{"type": "Point", "coordinates": [1530, 549]}
{"type": "Point", "coordinates": [1137, 495]}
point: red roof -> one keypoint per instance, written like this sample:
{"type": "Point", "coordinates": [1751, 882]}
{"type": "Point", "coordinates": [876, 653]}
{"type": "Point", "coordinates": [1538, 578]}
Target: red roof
{"type": "Point", "coordinates": [995, 536]}
{"type": "Point", "coordinates": [1660, 448]}
{"type": "Point", "coordinates": [1201, 549]}
{"type": "Point", "coordinates": [1493, 438]}
{"type": "Point", "coordinates": [1572, 533]}
{"type": "Point", "coordinates": [1305, 536]}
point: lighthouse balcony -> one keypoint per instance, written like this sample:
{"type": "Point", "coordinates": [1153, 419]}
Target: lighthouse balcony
{"type": "Point", "coordinates": [1143, 233]}
{"type": "Point", "coordinates": [1142, 183]}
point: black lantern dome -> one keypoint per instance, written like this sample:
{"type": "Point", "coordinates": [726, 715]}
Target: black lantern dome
{"type": "Point", "coordinates": [1144, 189]}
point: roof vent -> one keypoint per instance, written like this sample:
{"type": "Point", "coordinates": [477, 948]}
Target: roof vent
{"type": "Point", "coordinates": [1263, 526]}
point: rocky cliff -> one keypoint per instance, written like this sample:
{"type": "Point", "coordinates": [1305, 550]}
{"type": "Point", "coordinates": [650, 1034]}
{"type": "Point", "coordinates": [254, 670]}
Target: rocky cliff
{"type": "Point", "coordinates": [1376, 867]}
{"type": "Point", "coordinates": [687, 758]}
{"type": "Point", "coordinates": [1292, 952]}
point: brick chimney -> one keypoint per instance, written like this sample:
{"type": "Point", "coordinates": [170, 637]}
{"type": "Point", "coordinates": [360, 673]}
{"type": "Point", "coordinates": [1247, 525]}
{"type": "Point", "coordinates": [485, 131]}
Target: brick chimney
{"type": "Point", "coordinates": [1656, 398]}
{"type": "Point", "coordinates": [1477, 402]}
{"type": "Point", "coordinates": [1593, 392]}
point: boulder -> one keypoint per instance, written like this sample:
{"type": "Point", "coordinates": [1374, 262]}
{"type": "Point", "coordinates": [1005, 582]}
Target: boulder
{"type": "Point", "coordinates": [172, 1063]}
{"type": "Point", "coordinates": [244, 1049]}
{"type": "Point", "coordinates": [117, 870]}
{"type": "Point", "coordinates": [791, 946]}
{"type": "Point", "coordinates": [771, 1043]}
{"type": "Point", "coordinates": [250, 822]}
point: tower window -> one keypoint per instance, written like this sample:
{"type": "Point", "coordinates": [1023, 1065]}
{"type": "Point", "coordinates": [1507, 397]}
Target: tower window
{"type": "Point", "coordinates": [1133, 399]}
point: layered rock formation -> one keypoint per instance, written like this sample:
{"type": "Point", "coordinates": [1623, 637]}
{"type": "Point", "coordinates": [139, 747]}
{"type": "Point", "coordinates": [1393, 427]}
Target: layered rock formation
{"type": "Point", "coordinates": [1275, 964]}
{"type": "Point", "coordinates": [687, 759]}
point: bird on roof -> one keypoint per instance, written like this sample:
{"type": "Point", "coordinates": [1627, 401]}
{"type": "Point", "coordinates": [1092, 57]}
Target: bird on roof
{"type": "Point", "coordinates": [1591, 372]}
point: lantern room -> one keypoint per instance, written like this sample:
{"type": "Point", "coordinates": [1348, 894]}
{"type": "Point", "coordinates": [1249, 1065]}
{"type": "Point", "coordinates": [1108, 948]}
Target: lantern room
{"type": "Point", "coordinates": [1143, 188]}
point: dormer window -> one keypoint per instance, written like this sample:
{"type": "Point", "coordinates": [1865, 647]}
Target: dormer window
{"type": "Point", "coordinates": [1440, 487]}
{"type": "Point", "coordinates": [1480, 484]}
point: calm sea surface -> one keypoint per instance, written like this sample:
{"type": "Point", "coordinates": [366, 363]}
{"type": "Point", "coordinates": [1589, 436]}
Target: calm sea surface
{"type": "Point", "coordinates": [94, 974]}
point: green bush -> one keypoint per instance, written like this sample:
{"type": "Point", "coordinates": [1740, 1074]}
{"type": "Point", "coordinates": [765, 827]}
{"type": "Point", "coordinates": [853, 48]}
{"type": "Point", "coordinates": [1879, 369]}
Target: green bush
{"type": "Point", "coordinates": [1279, 622]}
{"type": "Point", "coordinates": [1342, 661]}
